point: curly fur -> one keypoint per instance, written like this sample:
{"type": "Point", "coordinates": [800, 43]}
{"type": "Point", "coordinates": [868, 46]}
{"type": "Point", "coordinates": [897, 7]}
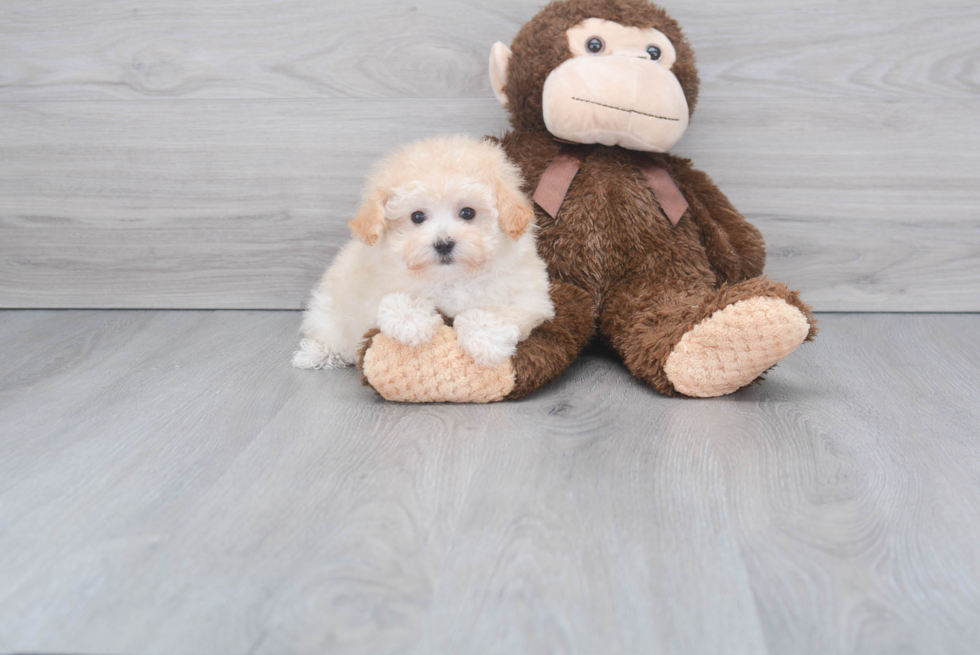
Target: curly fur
{"type": "Point", "coordinates": [394, 276]}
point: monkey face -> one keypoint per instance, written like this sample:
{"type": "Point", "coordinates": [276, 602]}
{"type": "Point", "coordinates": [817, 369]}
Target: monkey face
{"type": "Point", "coordinates": [617, 89]}
{"type": "Point", "coordinates": [614, 72]}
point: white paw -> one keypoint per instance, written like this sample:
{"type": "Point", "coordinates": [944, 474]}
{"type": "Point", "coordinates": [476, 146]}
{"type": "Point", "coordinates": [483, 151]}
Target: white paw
{"type": "Point", "coordinates": [485, 337]}
{"type": "Point", "coordinates": [311, 355]}
{"type": "Point", "coordinates": [408, 320]}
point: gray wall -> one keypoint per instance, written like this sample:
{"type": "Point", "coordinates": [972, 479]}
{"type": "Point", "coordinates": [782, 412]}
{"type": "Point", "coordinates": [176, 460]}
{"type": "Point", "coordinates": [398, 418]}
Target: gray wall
{"type": "Point", "coordinates": [206, 154]}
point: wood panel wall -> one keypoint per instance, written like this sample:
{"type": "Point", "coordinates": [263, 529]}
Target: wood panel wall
{"type": "Point", "coordinates": [206, 154]}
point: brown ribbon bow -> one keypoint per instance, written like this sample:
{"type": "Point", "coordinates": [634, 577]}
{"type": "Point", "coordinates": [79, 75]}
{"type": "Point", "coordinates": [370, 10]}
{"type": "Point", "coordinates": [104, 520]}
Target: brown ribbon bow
{"type": "Point", "coordinates": [557, 178]}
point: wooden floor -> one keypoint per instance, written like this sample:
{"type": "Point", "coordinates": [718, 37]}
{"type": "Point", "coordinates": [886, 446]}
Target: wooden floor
{"type": "Point", "coordinates": [168, 484]}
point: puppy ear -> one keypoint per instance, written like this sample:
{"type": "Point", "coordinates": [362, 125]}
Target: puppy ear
{"type": "Point", "coordinates": [369, 223]}
{"type": "Point", "coordinates": [516, 211]}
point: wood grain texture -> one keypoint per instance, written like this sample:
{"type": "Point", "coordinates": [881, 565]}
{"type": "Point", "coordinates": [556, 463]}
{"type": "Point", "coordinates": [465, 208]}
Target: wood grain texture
{"type": "Point", "coordinates": [123, 49]}
{"type": "Point", "coordinates": [169, 484]}
{"type": "Point", "coordinates": [206, 154]}
{"type": "Point", "coordinates": [191, 204]}
{"type": "Point", "coordinates": [228, 205]}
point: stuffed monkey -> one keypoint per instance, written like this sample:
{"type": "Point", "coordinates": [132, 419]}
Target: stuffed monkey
{"type": "Point", "coordinates": [643, 250]}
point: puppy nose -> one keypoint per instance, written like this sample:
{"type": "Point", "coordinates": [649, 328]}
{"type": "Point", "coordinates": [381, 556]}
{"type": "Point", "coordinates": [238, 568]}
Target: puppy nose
{"type": "Point", "coordinates": [445, 247]}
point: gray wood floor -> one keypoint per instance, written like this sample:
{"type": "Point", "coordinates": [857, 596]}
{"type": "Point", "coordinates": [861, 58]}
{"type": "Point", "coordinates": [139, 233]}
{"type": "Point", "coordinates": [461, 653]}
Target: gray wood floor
{"type": "Point", "coordinates": [169, 485]}
{"type": "Point", "coordinates": [206, 154]}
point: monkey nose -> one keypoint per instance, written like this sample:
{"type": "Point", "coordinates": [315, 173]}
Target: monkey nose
{"type": "Point", "coordinates": [444, 247]}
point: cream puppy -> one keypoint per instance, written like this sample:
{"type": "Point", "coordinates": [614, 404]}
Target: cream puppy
{"type": "Point", "coordinates": [444, 228]}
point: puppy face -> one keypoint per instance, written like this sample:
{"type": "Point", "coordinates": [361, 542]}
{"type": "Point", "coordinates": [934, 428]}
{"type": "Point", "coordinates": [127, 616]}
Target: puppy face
{"type": "Point", "coordinates": [444, 206]}
{"type": "Point", "coordinates": [454, 223]}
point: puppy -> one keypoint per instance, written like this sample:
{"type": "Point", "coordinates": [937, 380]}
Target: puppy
{"type": "Point", "coordinates": [443, 228]}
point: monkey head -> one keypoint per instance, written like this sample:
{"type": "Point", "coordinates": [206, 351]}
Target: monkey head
{"type": "Point", "coordinates": [614, 72]}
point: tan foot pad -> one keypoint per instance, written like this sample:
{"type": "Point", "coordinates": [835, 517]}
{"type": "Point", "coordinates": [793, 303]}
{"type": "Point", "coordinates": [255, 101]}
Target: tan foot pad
{"type": "Point", "coordinates": [434, 372]}
{"type": "Point", "coordinates": [734, 346]}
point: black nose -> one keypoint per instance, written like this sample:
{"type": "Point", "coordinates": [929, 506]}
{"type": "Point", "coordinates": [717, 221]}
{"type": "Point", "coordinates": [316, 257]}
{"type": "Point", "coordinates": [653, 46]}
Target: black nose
{"type": "Point", "coordinates": [445, 247]}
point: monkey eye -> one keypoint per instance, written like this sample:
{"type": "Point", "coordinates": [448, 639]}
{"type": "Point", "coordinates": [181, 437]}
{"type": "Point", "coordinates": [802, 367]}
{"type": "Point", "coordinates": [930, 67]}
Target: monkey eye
{"type": "Point", "coordinates": [418, 217]}
{"type": "Point", "coordinates": [654, 52]}
{"type": "Point", "coordinates": [595, 45]}
{"type": "Point", "coordinates": [467, 213]}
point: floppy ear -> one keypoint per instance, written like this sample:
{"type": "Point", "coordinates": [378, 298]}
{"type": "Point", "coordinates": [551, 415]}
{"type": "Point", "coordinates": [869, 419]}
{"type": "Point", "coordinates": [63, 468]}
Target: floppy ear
{"type": "Point", "coordinates": [516, 211]}
{"type": "Point", "coordinates": [369, 223]}
{"type": "Point", "coordinates": [499, 61]}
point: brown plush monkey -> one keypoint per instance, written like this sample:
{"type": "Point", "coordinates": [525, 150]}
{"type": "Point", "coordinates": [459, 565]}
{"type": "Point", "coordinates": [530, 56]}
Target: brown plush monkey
{"type": "Point", "coordinates": [643, 250]}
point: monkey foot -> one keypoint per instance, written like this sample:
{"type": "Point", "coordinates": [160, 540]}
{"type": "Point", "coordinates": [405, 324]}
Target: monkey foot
{"type": "Point", "coordinates": [734, 346]}
{"type": "Point", "coordinates": [437, 371]}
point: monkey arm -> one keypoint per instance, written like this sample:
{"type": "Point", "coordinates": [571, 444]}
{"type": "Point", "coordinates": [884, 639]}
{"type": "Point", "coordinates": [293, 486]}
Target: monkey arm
{"type": "Point", "coordinates": [555, 344]}
{"type": "Point", "coordinates": [439, 371]}
{"type": "Point", "coordinates": [734, 246]}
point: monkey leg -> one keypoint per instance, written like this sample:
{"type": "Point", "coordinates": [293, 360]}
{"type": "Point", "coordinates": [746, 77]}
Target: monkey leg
{"type": "Point", "coordinates": [704, 342]}
{"type": "Point", "coordinates": [440, 372]}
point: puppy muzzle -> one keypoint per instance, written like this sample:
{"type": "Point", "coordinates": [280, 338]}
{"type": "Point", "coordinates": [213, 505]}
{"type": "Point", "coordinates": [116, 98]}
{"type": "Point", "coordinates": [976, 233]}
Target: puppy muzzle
{"type": "Point", "coordinates": [444, 248]}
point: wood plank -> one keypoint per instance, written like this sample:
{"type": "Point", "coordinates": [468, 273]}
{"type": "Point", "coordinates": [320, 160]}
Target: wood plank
{"type": "Point", "coordinates": [124, 49]}
{"type": "Point", "coordinates": [868, 206]}
{"type": "Point", "coordinates": [169, 484]}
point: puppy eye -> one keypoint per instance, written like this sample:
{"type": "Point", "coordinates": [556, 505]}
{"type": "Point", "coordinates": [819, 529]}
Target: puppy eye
{"type": "Point", "coordinates": [467, 213]}
{"type": "Point", "coordinates": [595, 45]}
{"type": "Point", "coordinates": [418, 217]}
{"type": "Point", "coordinates": [654, 52]}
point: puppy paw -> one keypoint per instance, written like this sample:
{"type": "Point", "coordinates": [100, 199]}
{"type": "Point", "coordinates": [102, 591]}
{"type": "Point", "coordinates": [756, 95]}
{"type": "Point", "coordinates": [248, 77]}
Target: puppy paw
{"type": "Point", "coordinates": [407, 320]}
{"type": "Point", "coordinates": [485, 337]}
{"type": "Point", "coordinates": [311, 355]}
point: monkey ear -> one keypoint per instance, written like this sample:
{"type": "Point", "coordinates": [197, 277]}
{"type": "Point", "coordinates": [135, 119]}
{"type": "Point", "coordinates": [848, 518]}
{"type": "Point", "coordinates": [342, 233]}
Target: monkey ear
{"type": "Point", "coordinates": [499, 61]}
{"type": "Point", "coordinates": [516, 211]}
{"type": "Point", "coordinates": [369, 223]}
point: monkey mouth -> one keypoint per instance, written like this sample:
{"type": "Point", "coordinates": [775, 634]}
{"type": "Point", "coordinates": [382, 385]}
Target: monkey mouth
{"type": "Point", "coordinates": [628, 111]}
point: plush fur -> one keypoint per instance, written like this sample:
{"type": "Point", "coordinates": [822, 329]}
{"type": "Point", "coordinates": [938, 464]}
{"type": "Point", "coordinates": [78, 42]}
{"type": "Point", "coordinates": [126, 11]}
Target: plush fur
{"type": "Point", "coordinates": [690, 295]}
{"type": "Point", "coordinates": [540, 47]}
{"type": "Point", "coordinates": [400, 274]}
